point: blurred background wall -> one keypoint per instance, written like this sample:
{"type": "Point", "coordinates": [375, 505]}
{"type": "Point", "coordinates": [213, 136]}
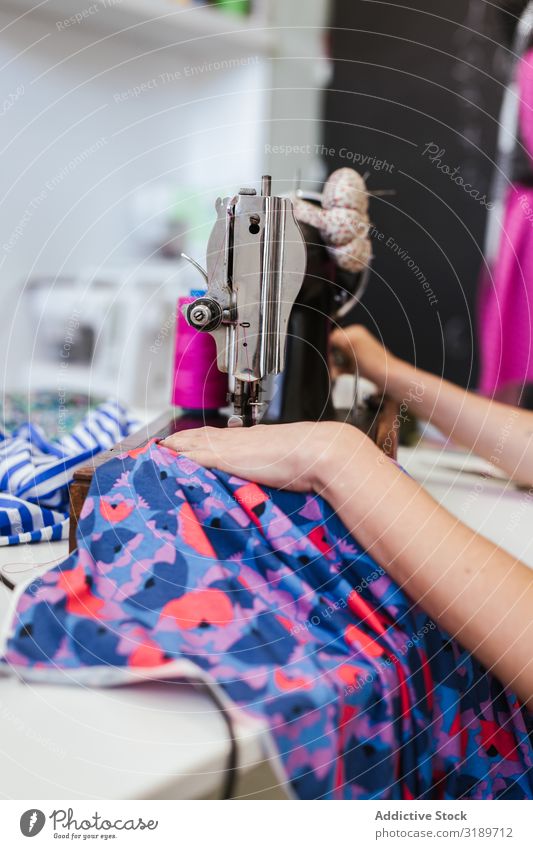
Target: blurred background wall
{"type": "Point", "coordinates": [408, 76]}
{"type": "Point", "coordinates": [122, 120]}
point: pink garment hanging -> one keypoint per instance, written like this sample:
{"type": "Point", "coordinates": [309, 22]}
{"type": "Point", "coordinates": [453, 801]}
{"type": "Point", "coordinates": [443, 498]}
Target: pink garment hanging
{"type": "Point", "coordinates": [506, 302]}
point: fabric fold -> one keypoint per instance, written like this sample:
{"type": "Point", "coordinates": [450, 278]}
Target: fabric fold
{"type": "Point", "coordinates": [267, 595]}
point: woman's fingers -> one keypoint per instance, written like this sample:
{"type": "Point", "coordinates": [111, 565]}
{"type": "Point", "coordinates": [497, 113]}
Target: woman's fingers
{"type": "Point", "coordinates": [284, 456]}
{"type": "Point", "coordinates": [204, 458]}
{"type": "Point", "coordinates": [362, 352]}
{"type": "Point", "coordinates": [341, 355]}
{"type": "Point", "coordinates": [195, 447]}
{"type": "Point", "coordinates": [188, 439]}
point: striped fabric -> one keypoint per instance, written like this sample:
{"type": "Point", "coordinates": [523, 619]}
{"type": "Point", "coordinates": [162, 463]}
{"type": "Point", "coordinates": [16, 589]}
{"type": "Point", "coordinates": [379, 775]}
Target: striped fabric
{"type": "Point", "coordinates": [35, 472]}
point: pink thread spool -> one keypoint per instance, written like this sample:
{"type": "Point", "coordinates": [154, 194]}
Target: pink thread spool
{"type": "Point", "coordinates": [198, 384]}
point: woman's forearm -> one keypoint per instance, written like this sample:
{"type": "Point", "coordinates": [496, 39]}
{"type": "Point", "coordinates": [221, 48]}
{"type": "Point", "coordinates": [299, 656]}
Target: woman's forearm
{"type": "Point", "coordinates": [470, 587]}
{"type": "Point", "coordinates": [497, 432]}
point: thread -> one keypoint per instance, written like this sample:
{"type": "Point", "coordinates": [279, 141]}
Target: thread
{"type": "Point", "coordinates": [198, 384]}
{"type": "Point", "coordinates": [13, 569]}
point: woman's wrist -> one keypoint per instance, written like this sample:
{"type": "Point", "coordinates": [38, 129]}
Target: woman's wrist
{"type": "Point", "coordinates": [403, 380]}
{"type": "Point", "coordinates": [340, 446]}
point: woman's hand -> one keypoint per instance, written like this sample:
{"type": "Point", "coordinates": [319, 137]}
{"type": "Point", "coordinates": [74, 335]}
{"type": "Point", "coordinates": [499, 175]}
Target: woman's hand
{"type": "Point", "coordinates": [355, 349]}
{"type": "Point", "coordinates": [287, 456]}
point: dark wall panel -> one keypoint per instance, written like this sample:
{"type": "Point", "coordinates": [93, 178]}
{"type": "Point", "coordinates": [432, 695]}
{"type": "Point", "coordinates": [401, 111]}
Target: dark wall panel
{"type": "Point", "coordinates": [406, 76]}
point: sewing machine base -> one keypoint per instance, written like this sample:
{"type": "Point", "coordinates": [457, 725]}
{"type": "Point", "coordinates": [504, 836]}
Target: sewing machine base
{"type": "Point", "coordinates": [377, 420]}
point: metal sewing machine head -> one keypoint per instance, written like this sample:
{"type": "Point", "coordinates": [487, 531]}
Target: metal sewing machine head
{"type": "Point", "coordinates": [256, 261]}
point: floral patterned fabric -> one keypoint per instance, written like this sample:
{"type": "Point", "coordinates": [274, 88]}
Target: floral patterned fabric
{"type": "Point", "coordinates": [268, 595]}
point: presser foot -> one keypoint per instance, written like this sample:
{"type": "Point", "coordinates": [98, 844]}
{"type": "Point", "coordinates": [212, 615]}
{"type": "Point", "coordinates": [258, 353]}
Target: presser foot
{"type": "Point", "coordinates": [246, 404]}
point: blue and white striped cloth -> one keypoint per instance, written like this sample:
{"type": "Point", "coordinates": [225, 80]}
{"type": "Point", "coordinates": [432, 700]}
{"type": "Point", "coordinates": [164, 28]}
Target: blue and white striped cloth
{"type": "Point", "coordinates": [35, 472]}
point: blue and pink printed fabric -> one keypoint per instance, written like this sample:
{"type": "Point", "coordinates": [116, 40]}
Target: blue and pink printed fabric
{"type": "Point", "coordinates": [266, 594]}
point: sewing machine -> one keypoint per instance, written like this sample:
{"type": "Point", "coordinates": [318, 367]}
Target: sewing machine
{"type": "Point", "coordinates": [256, 261]}
{"type": "Point", "coordinates": [273, 291]}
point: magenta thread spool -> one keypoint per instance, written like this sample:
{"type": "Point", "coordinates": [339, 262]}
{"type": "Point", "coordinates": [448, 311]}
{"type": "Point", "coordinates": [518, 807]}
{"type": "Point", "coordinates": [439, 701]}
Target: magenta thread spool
{"type": "Point", "coordinates": [198, 384]}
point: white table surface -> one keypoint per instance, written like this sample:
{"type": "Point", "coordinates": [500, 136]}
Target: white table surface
{"type": "Point", "coordinates": [492, 506]}
{"type": "Point", "coordinates": [169, 741]}
{"type": "Point", "coordinates": [153, 740]}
